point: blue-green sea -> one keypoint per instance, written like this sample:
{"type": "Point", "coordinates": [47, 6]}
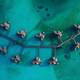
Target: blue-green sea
{"type": "Point", "coordinates": [37, 16]}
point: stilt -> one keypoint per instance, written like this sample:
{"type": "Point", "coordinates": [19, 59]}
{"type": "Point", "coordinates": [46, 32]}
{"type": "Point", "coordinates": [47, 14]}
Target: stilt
{"type": "Point", "coordinates": [53, 59]}
{"type": "Point", "coordinates": [38, 52]}
{"type": "Point", "coordinates": [37, 59]}
{"type": "Point", "coordinates": [54, 52]}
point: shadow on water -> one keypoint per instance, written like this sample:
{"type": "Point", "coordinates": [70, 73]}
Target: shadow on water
{"type": "Point", "coordinates": [48, 10]}
{"type": "Point", "coordinates": [67, 52]}
{"type": "Point", "coordinates": [25, 57]}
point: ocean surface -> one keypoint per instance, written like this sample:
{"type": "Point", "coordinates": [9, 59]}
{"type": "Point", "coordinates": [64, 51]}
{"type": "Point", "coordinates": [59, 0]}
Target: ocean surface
{"type": "Point", "coordinates": [37, 16]}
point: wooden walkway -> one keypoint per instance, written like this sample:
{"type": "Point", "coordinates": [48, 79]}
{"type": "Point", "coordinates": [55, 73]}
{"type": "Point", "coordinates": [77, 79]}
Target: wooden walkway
{"type": "Point", "coordinates": [41, 46]}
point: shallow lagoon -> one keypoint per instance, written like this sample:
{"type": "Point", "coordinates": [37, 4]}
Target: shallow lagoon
{"type": "Point", "coordinates": [24, 14]}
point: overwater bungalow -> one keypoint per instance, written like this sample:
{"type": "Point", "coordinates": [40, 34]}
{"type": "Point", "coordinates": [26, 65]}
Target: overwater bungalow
{"type": "Point", "coordinates": [37, 61]}
{"type": "Point", "coordinates": [21, 34]}
{"type": "Point", "coordinates": [76, 27]}
{"type": "Point", "coordinates": [5, 26]}
{"type": "Point", "coordinates": [53, 60]}
{"type": "Point", "coordinates": [16, 59]}
{"type": "Point", "coordinates": [3, 50]}
{"type": "Point", "coordinates": [40, 36]}
{"type": "Point", "coordinates": [58, 33]}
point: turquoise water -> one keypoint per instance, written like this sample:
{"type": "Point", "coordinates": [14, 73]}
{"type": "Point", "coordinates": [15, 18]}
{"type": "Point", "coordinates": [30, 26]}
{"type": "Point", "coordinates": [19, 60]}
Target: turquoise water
{"type": "Point", "coordinates": [24, 14]}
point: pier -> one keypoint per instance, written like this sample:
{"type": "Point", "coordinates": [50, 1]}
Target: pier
{"type": "Point", "coordinates": [71, 38]}
{"type": "Point", "coordinates": [36, 46]}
